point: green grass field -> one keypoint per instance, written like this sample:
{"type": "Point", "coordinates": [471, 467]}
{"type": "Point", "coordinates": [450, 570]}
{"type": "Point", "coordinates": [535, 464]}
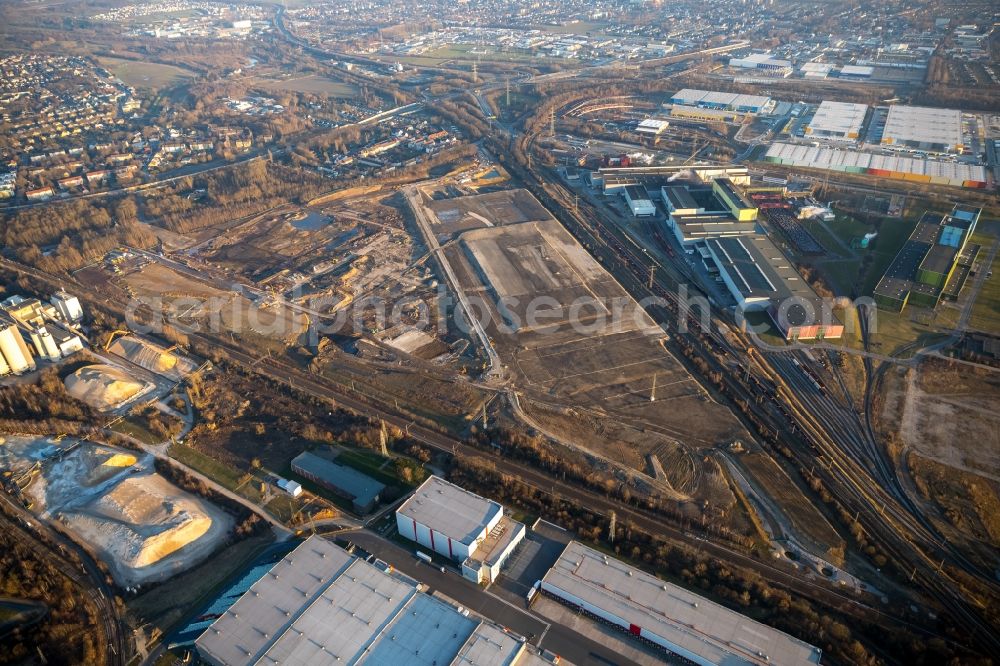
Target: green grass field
{"type": "Point", "coordinates": [146, 74]}
{"type": "Point", "coordinates": [837, 237]}
{"type": "Point", "coordinates": [986, 310]}
{"type": "Point", "coordinates": [884, 248]}
{"type": "Point", "coordinates": [134, 426]}
{"type": "Point", "coordinates": [223, 474]}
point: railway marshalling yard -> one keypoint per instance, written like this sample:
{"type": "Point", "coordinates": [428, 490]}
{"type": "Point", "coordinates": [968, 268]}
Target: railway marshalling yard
{"type": "Point", "coordinates": [580, 353]}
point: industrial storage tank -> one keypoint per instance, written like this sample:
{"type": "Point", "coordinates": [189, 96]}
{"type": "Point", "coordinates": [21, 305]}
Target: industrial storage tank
{"type": "Point", "coordinates": [45, 345]}
{"type": "Point", "coordinates": [14, 351]}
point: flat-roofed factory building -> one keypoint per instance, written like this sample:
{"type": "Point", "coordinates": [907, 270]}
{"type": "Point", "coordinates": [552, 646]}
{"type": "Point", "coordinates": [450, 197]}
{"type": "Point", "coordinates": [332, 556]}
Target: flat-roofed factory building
{"type": "Point", "coordinates": [639, 202]}
{"type": "Point", "coordinates": [671, 617]}
{"type": "Point", "coordinates": [760, 277]}
{"type": "Point", "coordinates": [652, 126]}
{"type": "Point", "coordinates": [321, 606]}
{"type": "Point", "coordinates": [698, 212]}
{"type": "Point", "coordinates": [723, 101]}
{"type": "Point", "coordinates": [362, 490]}
{"type": "Point", "coordinates": [926, 264]}
{"type": "Point", "coordinates": [763, 62]}
{"type": "Point", "coordinates": [924, 128]}
{"type": "Point", "coordinates": [461, 526]}
{"type": "Point", "coordinates": [838, 120]}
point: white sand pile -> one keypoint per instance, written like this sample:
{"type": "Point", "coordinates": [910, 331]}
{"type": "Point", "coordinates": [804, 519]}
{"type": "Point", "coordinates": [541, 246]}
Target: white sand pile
{"type": "Point", "coordinates": [149, 528]}
{"type": "Point", "coordinates": [411, 341]}
{"type": "Point", "coordinates": [102, 386]}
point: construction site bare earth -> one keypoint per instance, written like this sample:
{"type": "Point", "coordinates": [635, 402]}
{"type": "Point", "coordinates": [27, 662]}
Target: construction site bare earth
{"type": "Point", "coordinates": [584, 362]}
{"type": "Point", "coordinates": [144, 527]}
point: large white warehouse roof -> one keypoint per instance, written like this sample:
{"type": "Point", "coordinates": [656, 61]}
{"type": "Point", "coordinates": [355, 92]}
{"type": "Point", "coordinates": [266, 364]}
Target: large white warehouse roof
{"type": "Point", "coordinates": [842, 119]}
{"type": "Point", "coordinates": [319, 605]}
{"type": "Point", "coordinates": [923, 124]}
{"type": "Point", "coordinates": [734, 101]}
{"type": "Point", "coordinates": [450, 510]}
{"type": "Point", "coordinates": [709, 632]}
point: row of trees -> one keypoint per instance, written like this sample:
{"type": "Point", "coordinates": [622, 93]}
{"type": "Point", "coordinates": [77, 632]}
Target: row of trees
{"type": "Point", "coordinates": [742, 590]}
{"type": "Point", "coordinates": [65, 236]}
{"type": "Point", "coordinates": [537, 452]}
{"type": "Point", "coordinates": [70, 633]}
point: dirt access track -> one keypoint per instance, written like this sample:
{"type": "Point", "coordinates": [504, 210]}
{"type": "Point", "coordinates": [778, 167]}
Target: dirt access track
{"type": "Point", "coordinates": [143, 526]}
{"type": "Point", "coordinates": [582, 354]}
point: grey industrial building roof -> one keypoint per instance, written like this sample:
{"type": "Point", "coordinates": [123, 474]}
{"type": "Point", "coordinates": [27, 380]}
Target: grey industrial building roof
{"type": "Point", "coordinates": [761, 271]}
{"type": "Point", "coordinates": [363, 488]}
{"type": "Point", "coordinates": [717, 634]}
{"type": "Point", "coordinates": [923, 124]}
{"type": "Point", "coordinates": [637, 193]}
{"type": "Point", "coordinates": [320, 605]}
{"type": "Point", "coordinates": [900, 277]}
{"type": "Point", "coordinates": [767, 272]}
{"type": "Point", "coordinates": [450, 510]}
{"type": "Point", "coordinates": [735, 196]}
{"type": "Point", "coordinates": [939, 259]}
{"type": "Point", "coordinates": [731, 100]}
{"type": "Point", "coordinates": [749, 275]}
{"type": "Point", "coordinates": [680, 197]}
{"type": "Point", "coordinates": [842, 118]}
{"type": "Point", "coordinates": [712, 225]}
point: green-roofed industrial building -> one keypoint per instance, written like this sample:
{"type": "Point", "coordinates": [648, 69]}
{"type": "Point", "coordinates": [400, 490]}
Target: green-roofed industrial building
{"type": "Point", "coordinates": [930, 260]}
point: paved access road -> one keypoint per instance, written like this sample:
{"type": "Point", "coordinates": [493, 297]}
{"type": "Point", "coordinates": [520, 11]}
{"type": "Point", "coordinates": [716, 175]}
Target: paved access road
{"type": "Point", "coordinates": [561, 640]}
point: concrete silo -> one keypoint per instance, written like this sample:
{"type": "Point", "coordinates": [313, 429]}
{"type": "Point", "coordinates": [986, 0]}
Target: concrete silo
{"type": "Point", "coordinates": [14, 351]}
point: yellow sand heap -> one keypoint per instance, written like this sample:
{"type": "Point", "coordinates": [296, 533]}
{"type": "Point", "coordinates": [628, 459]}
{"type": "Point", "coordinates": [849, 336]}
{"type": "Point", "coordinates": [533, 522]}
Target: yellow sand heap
{"type": "Point", "coordinates": [166, 362]}
{"type": "Point", "coordinates": [152, 357]}
{"type": "Point", "coordinates": [120, 460]}
{"type": "Point", "coordinates": [102, 386]}
{"type": "Point", "coordinates": [150, 519]}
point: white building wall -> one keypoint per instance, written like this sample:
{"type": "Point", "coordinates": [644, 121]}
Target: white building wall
{"type": "Point", "coordinates": [641, 208]}
{"type": "Point", "coordinates": [678, 234]}
{"type": "Point", "coordinates": [437, 543]}
{"type": "Point", "coordinates": [495, 569]}
{"type": "Point", "coordinates": [68, 307]}
{"type": "Point", "coordinates": [614, 619]}
{"type": "Point", "coordinates": [590, 608]}
{"type": "Point", "coordinates": [493, 522]}
{"type": "Point", "coordinates": [45, 346]}
{"type": "Point", "coordinates": [71, 346]}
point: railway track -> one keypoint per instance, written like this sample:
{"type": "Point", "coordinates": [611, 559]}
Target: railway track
{"type": "Point", "coordinates": [902, 531]}
{"type": "Point", "coordinates": [90, 578]}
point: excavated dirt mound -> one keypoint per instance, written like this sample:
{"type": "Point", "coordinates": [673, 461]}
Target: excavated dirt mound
{"type": "Point", "coordinates": [149, 528]}
{"type": "Point", "coordinates": [152, 357]}
{"type": "Point", "coordinates": [102, 386]}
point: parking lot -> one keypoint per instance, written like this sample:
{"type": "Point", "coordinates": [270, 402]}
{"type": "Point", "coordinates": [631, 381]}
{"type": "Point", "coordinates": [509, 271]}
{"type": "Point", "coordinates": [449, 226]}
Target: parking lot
{"type": "Point", "coordinates": [537, 553]}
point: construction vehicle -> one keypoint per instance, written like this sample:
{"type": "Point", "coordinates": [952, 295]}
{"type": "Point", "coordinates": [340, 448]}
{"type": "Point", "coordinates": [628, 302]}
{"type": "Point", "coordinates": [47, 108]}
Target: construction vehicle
{"type": "Point", "coordinates": [115, 334]}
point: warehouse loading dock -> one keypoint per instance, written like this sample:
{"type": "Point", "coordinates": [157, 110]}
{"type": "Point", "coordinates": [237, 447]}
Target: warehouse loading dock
{"type": "Point", "coordinates": [666, 615]}
{"type": "Point", "coordinates": [461, 526]}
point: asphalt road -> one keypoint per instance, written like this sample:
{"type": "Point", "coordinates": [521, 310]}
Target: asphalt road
{"type": "Point", "coordinates": [565, 642]}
